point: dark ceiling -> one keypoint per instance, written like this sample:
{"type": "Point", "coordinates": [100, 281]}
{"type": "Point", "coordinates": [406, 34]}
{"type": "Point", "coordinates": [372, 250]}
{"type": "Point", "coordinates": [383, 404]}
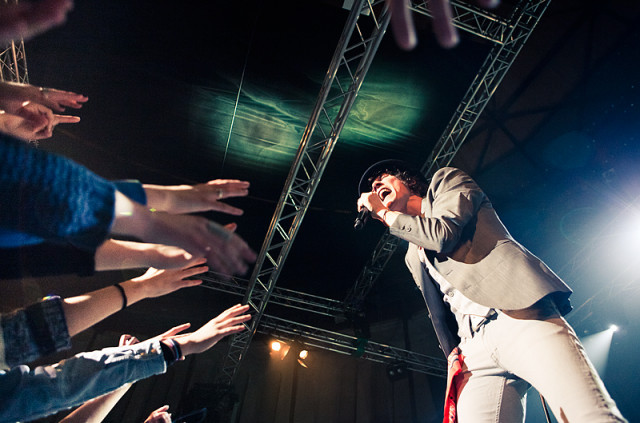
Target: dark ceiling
{"type": "Point", "coordinates": [556, 148]}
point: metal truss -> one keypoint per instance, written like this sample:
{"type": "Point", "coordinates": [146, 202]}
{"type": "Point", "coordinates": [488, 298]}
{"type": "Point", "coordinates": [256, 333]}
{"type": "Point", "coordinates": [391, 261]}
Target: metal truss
{"type": "Point", "coordinates": [13, 63]}
{"type": "Point", "coordinates": [343, 80]}
{"type": "Point", "coordinates": [350, 345]}
{"type": "Point", "coordinates": [13, 60]}
{"type": "Point", "coordinates": [522, 21]}
{"type": "Point", "coordinates": [280, 296]}
{"type": "Point", "coordinates": [348, 68]}
{"type": "Point", "coordinates": [472, 19]}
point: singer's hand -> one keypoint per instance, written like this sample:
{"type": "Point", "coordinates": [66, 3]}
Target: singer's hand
{"type": "Point", "coordinates": [370, 201]}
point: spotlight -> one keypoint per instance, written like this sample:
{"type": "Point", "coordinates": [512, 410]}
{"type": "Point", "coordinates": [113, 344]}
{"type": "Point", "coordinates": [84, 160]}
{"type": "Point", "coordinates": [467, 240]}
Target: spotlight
{"type": "Point", "coordinates": [279, 349]}
{"type": "Point", "coordinates": [397, 371]}
{"type": "Point", "coordinates": [613, 328]}
{"type": "Point", "coordinates": [303, 358]}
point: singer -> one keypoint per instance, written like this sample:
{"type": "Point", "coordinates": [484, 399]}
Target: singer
{"type": "Point", "coordinates": [496, 308]}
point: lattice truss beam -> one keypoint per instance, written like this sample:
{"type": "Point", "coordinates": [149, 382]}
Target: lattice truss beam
{"type": "Point", "coordinates": [321, 338]}
{"type": "Point", "coordinates": [13, 60]}
{"type": "Point", "coordinates": [13, 63]}
{"type": "Point", "coordinates": [356, 48]}
{"type": "Point", "coordinates": [349, 345]}
{"type": "Point", "coordinates": [348, 68]}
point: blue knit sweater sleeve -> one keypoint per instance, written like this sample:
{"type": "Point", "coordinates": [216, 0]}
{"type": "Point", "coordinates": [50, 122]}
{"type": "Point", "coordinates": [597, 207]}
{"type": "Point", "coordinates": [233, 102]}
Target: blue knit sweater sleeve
{"type": "Point", "coordinates": [52, 197]}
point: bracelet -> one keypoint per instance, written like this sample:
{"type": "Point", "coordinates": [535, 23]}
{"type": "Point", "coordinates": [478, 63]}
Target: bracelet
{"type": "Point", "coordinates": [124, 296]}
{"type": "Point", "coordinates": [176, 349]}
{"type": "Point", "coordinates": [171, 351]}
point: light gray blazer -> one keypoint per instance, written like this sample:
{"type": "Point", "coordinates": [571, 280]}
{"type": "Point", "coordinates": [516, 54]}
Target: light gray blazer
{"type": "Point", "coordinates": [468, 244]}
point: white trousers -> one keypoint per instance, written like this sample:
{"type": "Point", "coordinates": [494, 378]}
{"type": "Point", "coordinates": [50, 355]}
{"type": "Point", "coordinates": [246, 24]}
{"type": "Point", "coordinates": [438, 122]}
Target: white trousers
{"type": "Point", "coordinates": [506, 356]}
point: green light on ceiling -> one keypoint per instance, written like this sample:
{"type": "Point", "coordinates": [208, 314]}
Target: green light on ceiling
{"type": "Point", "coordinates": [267, 128]}
{"type": "Point", "coordinates": [387, 112]}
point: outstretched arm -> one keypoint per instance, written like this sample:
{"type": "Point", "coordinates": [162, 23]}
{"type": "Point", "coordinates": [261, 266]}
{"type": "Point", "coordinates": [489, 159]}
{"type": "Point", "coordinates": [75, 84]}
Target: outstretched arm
{"type": "Point", "coordinates": [196, 198]}
{"type": "Point", "coordinates": [32, 121]}
{"type": "Point", "coordinates": [88, 375]}
{"type": "Point", "coordinates": [13, 95]}
{"type": "Point", "coordinates": [84, 311]}
{"type": "Point", "coordinates": [96, 410]}
{"type": "Point", "coordinates": [225, 251]}
{"type": "Point", "coordinates": [161, 415]}
{"type": "Point", "coordinates": [117, 254]}
{"type": "Point", "coordinates": [226, 323]}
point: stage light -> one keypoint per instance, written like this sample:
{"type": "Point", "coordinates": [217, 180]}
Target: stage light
{"type": "Point", "coordinates": [397, 371]}
{"type": "Point", "coordinates": [597, 347]}
{"type": "Point", "coordinates": [613, 328]}
{"type": "Point", "coordinates": [303, 358]}
{"type": "Point", "coordinates": [279, 349]}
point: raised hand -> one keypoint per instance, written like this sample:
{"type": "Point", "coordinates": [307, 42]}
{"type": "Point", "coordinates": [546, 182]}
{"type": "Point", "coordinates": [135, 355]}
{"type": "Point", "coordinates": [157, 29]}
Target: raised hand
{"type": "Point", "coordinates": [446, 34]}
{"type": "Point", "coordinates": [158, 282]}
{"type": "Point", "coordinates": [226, 323]}
{"type": "Point", "coordinates": [57, 99]}
{"type": "Point", "coordinates": [160, 415]}
{"type": "Point", "coordinates": [33, 121]}
{"type": "Point", "coordinates": [197, 198]}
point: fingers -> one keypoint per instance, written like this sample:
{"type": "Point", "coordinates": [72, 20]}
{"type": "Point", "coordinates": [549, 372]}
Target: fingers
{"type": "Point", "coordinates": [159, 416]}
{"type": "Point", "coordinates": [73, 100]}
{"type": "Point", "coordinates": [225, 251]}
{"type": "Point", "coordinates": [192, 271]}
{"type": "Point", "coordinates": [58, 99]}
{"type": "Point", "coordinates": [66, 119]}
{"type": "Point", "coordinates": [226, 208]}
{"type": "Point", "coordinates": [233, 254]}
{"type": "Point", "coordinates": [442, 23]}
{"type": "Point", "coordinates": [125, 339]}
{"type": "Point", "coordinates": [402, 24]}
{"type": "Point", "coordinates": [175, 330]}
{"type": "Point", "coordinates": [225, 188]}
{"type": "Point", "coordinates": [232, 312]}
{"type": "Point", "coordinates": [219, 189]}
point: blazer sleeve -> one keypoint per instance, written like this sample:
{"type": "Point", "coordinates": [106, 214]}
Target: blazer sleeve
{"type": "Point", "coordinates": [452, 201]}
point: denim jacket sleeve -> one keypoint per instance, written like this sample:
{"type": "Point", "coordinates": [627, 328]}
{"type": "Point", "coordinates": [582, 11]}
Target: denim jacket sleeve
{"type": "Point", "coordinates": [29, 394]}
{"type": "Point", "coordinates": [32, 332]}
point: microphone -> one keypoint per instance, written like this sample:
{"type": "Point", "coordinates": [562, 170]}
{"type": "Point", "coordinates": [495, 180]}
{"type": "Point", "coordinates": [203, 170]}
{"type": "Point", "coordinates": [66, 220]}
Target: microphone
{"type": "Point", "coordinates": [361, 219]}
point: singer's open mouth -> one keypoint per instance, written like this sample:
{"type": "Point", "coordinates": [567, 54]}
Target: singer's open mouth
{"type": "Point", "coordinates": [383, 192]}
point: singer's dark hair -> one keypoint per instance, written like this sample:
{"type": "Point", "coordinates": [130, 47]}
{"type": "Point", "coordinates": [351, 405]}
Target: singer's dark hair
{"type": "Point", "coordinates": [412, 178]}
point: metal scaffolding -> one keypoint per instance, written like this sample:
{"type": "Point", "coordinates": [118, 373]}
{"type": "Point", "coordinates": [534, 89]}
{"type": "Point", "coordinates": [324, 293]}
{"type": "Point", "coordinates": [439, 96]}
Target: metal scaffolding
{"type": "Point", "coordinates": [13, 60]}
{"type": "Point", "coordinates": [13, 63]}
{"type": "Point", "coordinates": [349, 65]}
{"type": "Point", "coordinates": [343, 80]}
{"type": "Point", "coordinates": [351, 345]}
